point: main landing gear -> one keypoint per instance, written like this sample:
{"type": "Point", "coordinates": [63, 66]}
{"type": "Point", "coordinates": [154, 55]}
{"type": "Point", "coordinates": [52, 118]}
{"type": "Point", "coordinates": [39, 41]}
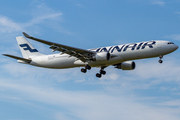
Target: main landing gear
{"type": "Point", "coordinates": [101, 72]}
{"type": "Point", "coordinates": [160, 61]}
{"type": "Point", "coordinates": [87, 67]}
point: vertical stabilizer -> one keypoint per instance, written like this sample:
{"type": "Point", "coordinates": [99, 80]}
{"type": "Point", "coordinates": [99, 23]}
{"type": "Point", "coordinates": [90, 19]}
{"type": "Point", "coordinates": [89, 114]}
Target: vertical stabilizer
{"type": "Point", "coordinates": [26, 48]}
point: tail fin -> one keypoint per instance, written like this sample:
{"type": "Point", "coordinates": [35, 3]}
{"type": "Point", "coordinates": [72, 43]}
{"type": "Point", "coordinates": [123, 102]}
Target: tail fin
{"type": "Point", "coordinates": [26, 48]}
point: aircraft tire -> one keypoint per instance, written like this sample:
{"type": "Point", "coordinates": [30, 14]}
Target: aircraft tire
{"type": "Point", "coordinates": [98, 75]}
{"type": "Point", "coordinates": [160, 61]}
{"type": "Point", "coordinates": [88, 67]}
{"type": "Point", "coordinates": [83, 70]}
{"type": "Point", "coordinates": [102, 72]}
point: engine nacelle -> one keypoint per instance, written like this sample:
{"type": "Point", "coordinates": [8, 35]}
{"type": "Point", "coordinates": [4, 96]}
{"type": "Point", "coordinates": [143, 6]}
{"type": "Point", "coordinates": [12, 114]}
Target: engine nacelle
{"type": "Point", "coordinates": [128, 65]}
{"type": "Point", "coordinates": [102, 56]}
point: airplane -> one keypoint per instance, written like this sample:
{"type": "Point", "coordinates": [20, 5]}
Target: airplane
{"type": "Point", "coordinates": [119, 56]}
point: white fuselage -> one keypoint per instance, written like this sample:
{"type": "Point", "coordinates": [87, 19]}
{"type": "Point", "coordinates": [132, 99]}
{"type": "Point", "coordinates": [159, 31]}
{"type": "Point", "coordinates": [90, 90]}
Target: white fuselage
{"type": "Point", "coordinates": [119, 54]}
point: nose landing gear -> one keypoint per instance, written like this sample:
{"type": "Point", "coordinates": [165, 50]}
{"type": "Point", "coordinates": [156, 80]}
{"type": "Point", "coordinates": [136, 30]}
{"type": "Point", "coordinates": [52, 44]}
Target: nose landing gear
{"type": "Point", "coordinates": [160, 61]}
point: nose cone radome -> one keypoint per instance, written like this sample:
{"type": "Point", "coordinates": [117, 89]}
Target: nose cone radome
{"type": "Point", "coordinates": [173, 47]}
{"type": "Point", "coordinates": [176, 47]}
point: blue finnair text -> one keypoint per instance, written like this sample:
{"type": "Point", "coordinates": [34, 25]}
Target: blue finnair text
{"type": "Point", "coordinates": [123, 48]}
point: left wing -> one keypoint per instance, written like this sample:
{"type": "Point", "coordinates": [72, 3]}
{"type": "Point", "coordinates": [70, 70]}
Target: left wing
{"type": "Point", "coordinates": [83, 55]}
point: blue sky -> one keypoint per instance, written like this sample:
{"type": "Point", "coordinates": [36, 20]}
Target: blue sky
{"type": "Point", "coordinates": [150, 92]}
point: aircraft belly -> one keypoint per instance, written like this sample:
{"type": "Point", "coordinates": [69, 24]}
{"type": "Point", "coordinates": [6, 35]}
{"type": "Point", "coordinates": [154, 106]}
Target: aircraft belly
{"type": "Point", "coordinates": [55, 62]}
{"type": "Point", "coordinates": [60, 63]}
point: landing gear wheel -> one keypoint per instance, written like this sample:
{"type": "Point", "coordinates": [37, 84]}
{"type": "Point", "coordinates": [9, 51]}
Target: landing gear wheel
{"type": "Point", "coordinates": [160, 56]}
{"type": "Point", "coordinates": [160, 61]}
{"type": "Point", "coordinates": [88, 67]}
{"type": "Point", "coordinates": [98, 75]}
{"type": "Point", "coordinates": [102, 72]}
{"type": "Point", "coordinates": [83, 70]}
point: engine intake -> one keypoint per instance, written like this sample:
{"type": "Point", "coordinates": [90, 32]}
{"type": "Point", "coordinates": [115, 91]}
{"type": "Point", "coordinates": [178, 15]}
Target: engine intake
{"type": "Point", "coordinates": [128, 65]}
{"type": "Point", "coordinates": [102, 56]}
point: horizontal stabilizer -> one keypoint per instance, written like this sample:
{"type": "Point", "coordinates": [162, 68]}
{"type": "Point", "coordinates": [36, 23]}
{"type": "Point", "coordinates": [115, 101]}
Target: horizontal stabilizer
{"type": "Point", "coordinates": [18, 58]}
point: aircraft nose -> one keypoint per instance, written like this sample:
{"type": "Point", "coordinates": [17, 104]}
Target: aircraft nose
{"type": "Point", "coordinates": [176, 47]}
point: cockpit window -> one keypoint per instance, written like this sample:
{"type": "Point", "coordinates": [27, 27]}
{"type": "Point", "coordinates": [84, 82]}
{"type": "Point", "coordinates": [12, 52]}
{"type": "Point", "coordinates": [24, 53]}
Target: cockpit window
{"type": "Point", "coordinates": [170, 43]}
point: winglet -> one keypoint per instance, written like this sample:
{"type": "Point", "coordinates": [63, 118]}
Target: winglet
{"type": "Point", "coordinates": [26, 35]}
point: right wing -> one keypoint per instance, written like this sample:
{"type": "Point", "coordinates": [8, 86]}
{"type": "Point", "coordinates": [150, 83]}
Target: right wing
{"type": "Point", "coordinates": [18, 58]}
{"type": "Point", "coordinates": [83, 55]}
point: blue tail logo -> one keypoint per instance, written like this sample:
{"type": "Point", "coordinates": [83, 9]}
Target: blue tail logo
{"type": "Point", "coordinates": [27, 47]}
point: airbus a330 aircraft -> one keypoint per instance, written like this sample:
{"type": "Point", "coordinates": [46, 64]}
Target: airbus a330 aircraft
{"type": "Point", "coordinates": [120, 56]}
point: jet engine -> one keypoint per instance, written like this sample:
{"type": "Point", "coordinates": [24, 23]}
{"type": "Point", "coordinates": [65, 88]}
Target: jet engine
{"type": "Point", "coordinates": [128, 65]}
{"type": "Point", "coordinates": [102, 56]}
